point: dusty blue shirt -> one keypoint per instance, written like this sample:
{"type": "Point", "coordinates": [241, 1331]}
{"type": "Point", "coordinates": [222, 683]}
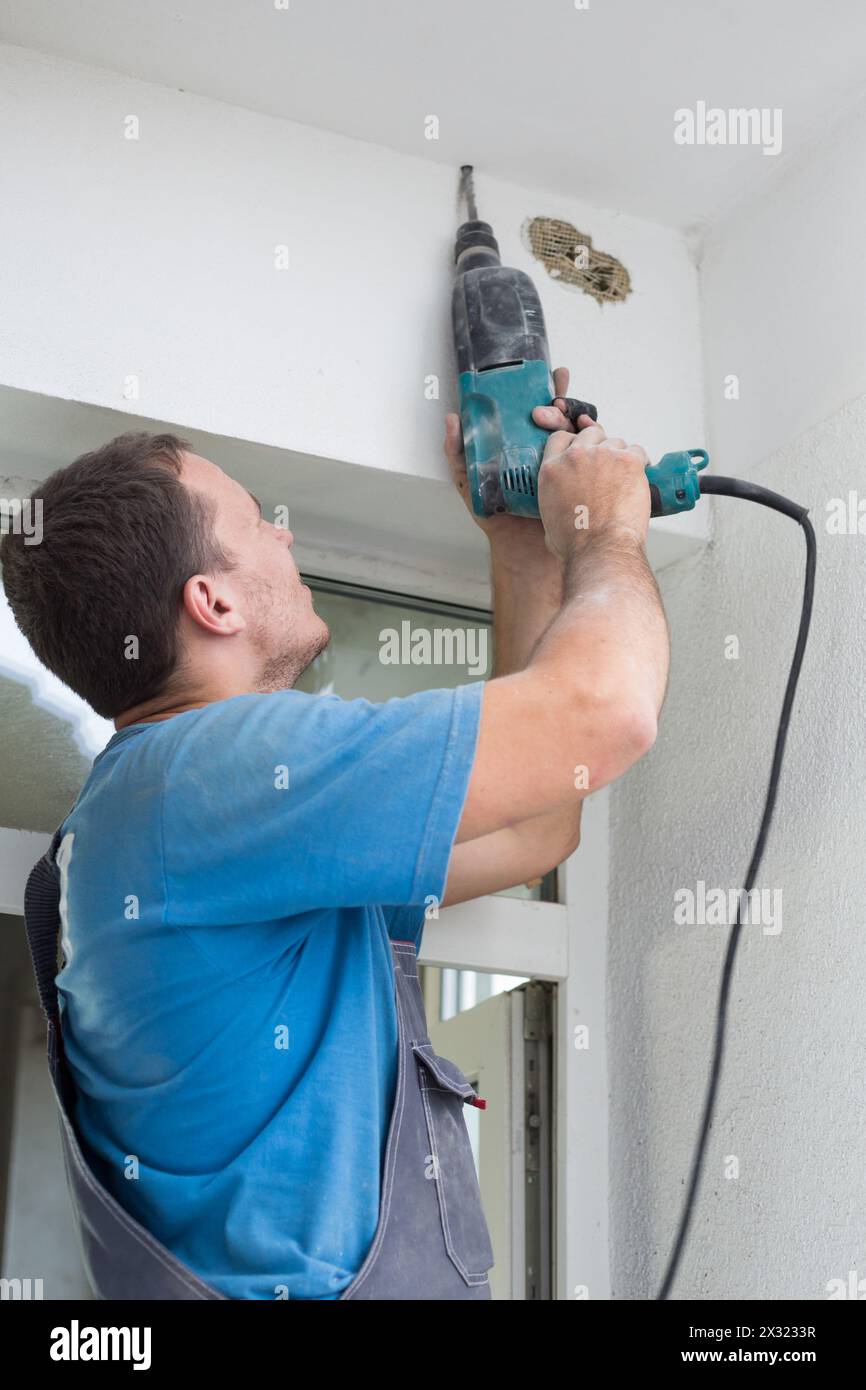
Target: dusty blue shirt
{"type": "Point", "coordinates": [231, 877]}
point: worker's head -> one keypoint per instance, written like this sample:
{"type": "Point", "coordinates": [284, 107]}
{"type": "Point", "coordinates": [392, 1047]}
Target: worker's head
{"type": "Point", "coordinates": [157, 582]}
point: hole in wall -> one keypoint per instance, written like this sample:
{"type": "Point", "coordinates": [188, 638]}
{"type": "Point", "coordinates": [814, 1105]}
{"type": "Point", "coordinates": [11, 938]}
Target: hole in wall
{"type": "Point", "coordinates": [571, 259]}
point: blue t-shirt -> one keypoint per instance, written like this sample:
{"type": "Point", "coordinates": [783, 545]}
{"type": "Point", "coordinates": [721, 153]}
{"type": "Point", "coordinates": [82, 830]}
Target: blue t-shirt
{"type": "Point", "coordinates": [230, 879]}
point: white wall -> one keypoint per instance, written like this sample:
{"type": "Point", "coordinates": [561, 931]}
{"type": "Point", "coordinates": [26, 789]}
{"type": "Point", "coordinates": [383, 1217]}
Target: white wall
{"type": "Point", "coordinates": [783, 288]}
{"type": "Point", "coordinates": [155, 258]}
{"type": "Point", "coordinates": [782, 302]}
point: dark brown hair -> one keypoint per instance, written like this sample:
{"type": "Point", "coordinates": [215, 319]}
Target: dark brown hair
{"type": "Point", "coordinates": [121, 534]}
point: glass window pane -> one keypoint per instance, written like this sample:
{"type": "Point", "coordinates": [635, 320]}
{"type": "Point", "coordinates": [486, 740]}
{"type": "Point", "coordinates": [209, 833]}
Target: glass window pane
{"type": "Point", "coordinates": [460, 990]}
{"type": "Point", "coordinates": [381, 648]}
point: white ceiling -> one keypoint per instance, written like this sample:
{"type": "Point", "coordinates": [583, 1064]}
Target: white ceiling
{"type": "Point", "coordinates": [532, 91]}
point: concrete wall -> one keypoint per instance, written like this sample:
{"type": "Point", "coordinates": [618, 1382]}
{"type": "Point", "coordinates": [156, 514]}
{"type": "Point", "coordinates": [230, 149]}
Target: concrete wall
{"type": "Point", "coordinates": [783, 287]}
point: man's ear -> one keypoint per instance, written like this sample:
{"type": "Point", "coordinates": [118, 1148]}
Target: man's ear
{"type": "Point", "coordinates": [209, 603]}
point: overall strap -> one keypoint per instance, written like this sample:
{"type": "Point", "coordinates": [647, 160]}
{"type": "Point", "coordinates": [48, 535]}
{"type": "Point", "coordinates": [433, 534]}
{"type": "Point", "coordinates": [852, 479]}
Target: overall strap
{"type": "Point", "coordinates": [42, 924]}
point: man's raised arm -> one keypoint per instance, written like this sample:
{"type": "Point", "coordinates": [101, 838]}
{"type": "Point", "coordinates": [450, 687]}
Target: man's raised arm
{"type": "Point", "coordinates": [585, 707]}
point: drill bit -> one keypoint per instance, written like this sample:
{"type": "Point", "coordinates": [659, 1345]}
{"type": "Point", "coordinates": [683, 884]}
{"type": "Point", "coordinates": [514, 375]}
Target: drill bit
{"type": "Point", "coordinates": [467, 192]}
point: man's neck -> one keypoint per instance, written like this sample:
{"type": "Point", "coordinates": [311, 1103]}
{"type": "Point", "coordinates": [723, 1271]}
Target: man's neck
{"type": "Point", "coordinates": [166, 706]}
{"type": "Point", "coordinates": [152, 711]}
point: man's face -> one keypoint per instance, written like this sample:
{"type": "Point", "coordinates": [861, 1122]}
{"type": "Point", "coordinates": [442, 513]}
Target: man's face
{"type": "Point", "coordinates": [283, 628]}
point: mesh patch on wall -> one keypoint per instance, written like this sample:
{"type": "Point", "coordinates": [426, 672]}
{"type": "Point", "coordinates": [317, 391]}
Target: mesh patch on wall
{"type": "Point", "coordinates": [570, 258]}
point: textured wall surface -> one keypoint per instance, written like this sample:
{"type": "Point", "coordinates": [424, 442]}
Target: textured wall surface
{"type": "Point", "coordinates": [783, 283]}
{"type": "Point", "coordinates": [790, 1107]}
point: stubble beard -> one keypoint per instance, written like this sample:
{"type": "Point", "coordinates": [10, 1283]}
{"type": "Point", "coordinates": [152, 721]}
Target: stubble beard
{"type": "Point", "coordinates": [299, 641]}
{"type": "Point", "coordinates": [280, 670]}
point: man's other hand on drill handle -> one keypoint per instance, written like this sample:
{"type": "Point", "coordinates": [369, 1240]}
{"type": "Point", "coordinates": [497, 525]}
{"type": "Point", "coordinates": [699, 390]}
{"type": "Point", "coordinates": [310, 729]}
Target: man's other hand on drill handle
{"type": "Point", "coordinates": [584, 706]}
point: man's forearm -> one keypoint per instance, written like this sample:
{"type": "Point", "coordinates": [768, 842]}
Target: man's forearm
{"type": "Point", "coordinates": [527, 595]}
{"type": "Point", "coordinates": [612, 627]}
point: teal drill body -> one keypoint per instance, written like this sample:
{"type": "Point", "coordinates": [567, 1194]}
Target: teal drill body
{"type": "Point", "coordinates": [503, 445]}
{"type": "Point", "coordinates": [503, 366]}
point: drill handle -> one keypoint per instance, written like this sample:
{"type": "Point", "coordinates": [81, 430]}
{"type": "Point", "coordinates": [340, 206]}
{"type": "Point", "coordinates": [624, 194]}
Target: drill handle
{"type": "Point", "coordinates": [673, 481]}
{"type": "Point", "coordinates": [574, 409]}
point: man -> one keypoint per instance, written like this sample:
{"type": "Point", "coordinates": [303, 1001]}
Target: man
{"type": "Point", "coordinates": [245, 857]}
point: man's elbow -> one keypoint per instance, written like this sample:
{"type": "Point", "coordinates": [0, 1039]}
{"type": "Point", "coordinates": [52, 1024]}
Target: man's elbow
{"type": "Point", "coordinates": [642, 728]}
{"type": "Point", "coordinates": [628, 738]}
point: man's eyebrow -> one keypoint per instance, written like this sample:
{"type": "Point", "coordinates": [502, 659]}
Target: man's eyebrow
{"type": "Point", "coordinates": [256, 500]}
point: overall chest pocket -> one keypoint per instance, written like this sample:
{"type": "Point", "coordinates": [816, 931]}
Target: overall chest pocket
{"type": "Point", "coordinates": [444, 1092]}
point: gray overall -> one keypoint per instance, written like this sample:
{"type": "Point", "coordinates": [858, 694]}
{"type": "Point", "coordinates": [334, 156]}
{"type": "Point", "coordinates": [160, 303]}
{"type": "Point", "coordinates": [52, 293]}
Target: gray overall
{"type": "Point", "coordinates": [431, 1239]}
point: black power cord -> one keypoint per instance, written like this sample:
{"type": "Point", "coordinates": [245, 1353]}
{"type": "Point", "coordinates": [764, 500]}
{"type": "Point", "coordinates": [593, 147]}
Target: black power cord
{"type": "Point", "coordinates": [732, 487]}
